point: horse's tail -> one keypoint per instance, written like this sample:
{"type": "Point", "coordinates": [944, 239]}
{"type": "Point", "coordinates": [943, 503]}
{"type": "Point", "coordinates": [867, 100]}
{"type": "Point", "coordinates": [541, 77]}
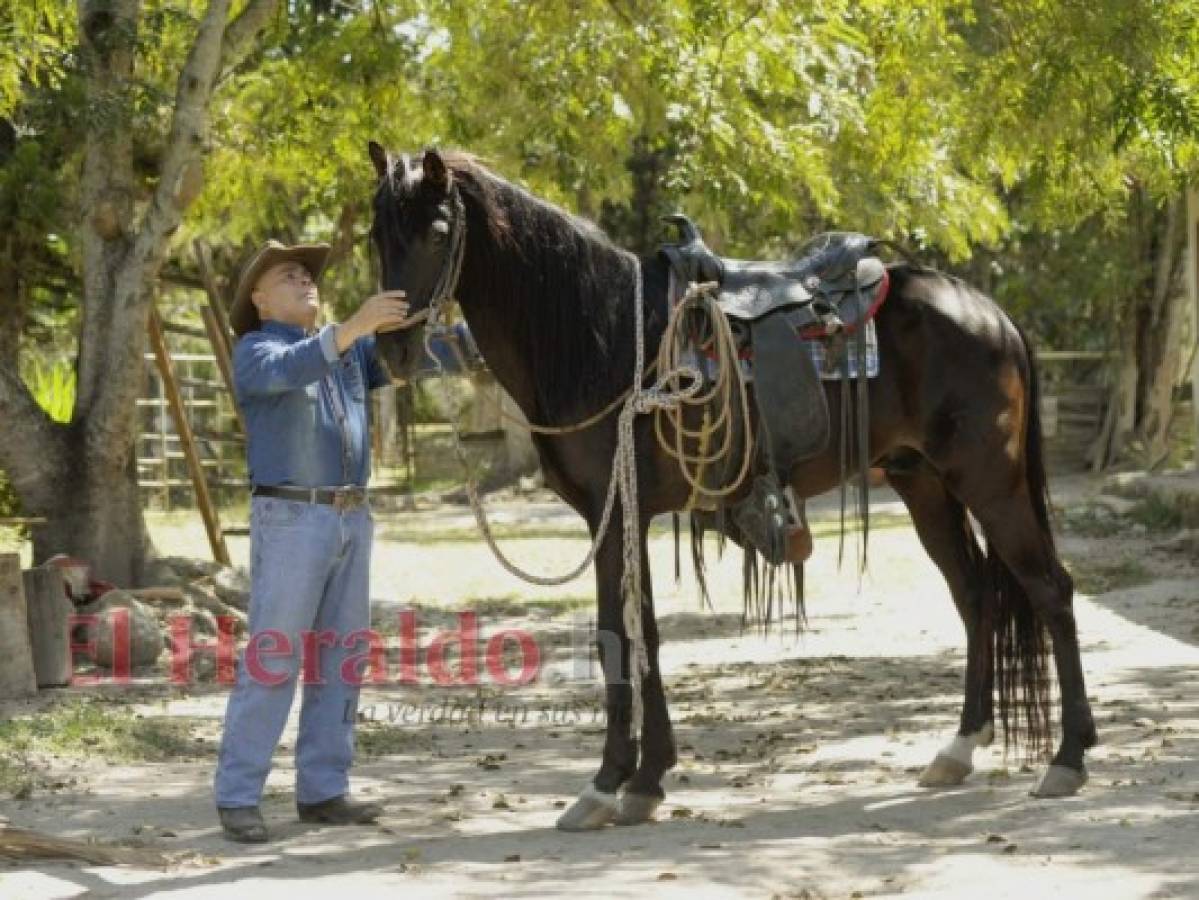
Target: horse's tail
{"type": "Point", "coordinates": [699, 563]}
{"type": "Point", "coordinates": [1034, 450]}
{"type": "Point", "coordinates": [1021, 648]}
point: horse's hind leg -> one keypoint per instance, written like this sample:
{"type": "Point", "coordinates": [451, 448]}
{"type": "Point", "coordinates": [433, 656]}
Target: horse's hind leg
{"type": "Point", "coordinates": [1030, 565]}
{"type": "Point", "coordinates": [948, 538]}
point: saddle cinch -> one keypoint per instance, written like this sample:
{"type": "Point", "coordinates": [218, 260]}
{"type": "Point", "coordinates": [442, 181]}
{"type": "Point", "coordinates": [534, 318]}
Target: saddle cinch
{"type": "Point", "coordinates": [831, 289]}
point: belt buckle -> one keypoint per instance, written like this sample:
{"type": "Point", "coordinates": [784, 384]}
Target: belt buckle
{"type": "Point", "coordinates": [347, 498]}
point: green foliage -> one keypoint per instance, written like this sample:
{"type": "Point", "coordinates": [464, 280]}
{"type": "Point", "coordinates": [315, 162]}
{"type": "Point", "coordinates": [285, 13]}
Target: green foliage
{"type": "Point", "coordinates": [1102, 578]}
{"type": "Point", "coordinates": [1156, 514]}
{"type": "Point", "coordinates": [1008, 138]}
{"type": "Point", "coordinates": [92, 730]}
{"type": "Point", "coordinates": [34, 37]}
{"type": "Point", "coordinates": [53, 386]}
{"type": "Point", "coordinates": [945, 124]}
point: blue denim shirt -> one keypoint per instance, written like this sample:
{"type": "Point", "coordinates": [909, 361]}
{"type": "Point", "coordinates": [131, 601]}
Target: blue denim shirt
{"type": "Point", "coordinates": [307, 419]}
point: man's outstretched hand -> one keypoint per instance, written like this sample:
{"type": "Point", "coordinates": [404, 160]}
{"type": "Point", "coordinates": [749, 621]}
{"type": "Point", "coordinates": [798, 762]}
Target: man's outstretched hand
{"type": "Point", "coordinates": [384, 311]}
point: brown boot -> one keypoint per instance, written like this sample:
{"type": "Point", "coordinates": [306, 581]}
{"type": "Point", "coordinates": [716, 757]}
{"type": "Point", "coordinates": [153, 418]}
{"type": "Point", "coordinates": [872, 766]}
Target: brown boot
{"type": "Point", "coordinates": [243, 824]}
{"type": "Point", "coordinates": [339, 811]}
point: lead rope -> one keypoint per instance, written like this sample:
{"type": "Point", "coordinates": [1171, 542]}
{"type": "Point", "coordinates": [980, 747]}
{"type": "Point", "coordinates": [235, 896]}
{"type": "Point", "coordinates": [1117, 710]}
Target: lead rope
{"type": "Point", "coordinates": [702, 298]}
{"type": "Point", "coordinates": [667, 393]}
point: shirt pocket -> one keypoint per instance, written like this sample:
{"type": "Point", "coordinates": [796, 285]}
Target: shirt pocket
{"type": "Point", "coordinates": [354, 381]}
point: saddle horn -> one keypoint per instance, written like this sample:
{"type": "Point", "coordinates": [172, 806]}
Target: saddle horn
{"type": "Point", "coordinates": [688, 233]}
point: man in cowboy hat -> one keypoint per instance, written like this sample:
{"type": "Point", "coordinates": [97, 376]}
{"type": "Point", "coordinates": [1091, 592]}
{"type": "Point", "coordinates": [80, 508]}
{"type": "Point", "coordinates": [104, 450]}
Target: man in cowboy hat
{"type": "Point", "coordinates": [303, 395]}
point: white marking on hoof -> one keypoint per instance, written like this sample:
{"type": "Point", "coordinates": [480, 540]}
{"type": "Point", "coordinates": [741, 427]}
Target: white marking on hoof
{"type": "Point", "coordinates": [945, 771]}
{"type": "Point", "coordinates": [955, 760]}
{"type": "Point", "coordinates": [636, 809]}
{"type": "Point", "coordinates": [1060, 781]}
{"type": "Point", "coordinates": [594, 809]}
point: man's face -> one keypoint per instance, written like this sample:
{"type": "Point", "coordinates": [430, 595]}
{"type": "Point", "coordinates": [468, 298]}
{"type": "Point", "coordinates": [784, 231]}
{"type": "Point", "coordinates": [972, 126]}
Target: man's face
{"type": "Point", "coordinates": [286, 293]}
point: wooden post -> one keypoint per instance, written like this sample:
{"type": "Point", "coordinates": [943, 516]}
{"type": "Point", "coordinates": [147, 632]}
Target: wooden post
{"type": "Point", "coordinates": [224, 363]}
{"type": "Point", "coordinates": [216, 323]}
{"type": "Point", "coordinates": [17, 678]}
{"type": "Point", "coordinates": [164, 446]}
{"type": "Point", "coordinates": [49, 613]}
{"type": "Point", "coordinates": [204, 263]}
{"type": "Point", "coordinates": [187, 441]}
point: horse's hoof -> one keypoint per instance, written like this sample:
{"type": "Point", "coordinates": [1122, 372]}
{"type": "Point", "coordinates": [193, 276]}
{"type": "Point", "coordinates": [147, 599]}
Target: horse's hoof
{"type": "Point", "coordinates": [1060, 781]}
{"type": "Point", "coordinates": [636, 809]}
{"type": "Point", "coordinates": [594, 809]}
{"type": "Point", "coordinates": [945, 771]}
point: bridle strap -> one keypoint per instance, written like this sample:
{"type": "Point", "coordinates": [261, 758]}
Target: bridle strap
{"type": "Point", "coordinates": [447, 281]}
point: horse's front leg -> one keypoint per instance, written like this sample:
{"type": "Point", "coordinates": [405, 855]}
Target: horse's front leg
{"type": "Point", "coordinates": [601, 802]}
{"type": "Point", "coordinates": [643, 793]}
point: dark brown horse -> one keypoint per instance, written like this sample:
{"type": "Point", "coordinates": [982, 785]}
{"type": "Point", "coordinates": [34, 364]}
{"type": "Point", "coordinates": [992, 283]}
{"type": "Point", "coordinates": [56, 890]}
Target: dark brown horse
{"type": "Point", "coordinates": [954, 423]}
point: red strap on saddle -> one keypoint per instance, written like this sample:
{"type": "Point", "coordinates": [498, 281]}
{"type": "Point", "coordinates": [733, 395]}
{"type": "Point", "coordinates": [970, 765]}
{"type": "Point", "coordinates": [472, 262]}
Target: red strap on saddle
{"type": "Point", "coordinates": [880, 294]}
{"type": "Point", "coordinates": [813, 332]}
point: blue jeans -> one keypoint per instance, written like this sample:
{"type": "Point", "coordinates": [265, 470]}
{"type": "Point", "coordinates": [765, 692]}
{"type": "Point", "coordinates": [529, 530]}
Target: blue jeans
{"type": "Point", "coordinates": [310, 572]}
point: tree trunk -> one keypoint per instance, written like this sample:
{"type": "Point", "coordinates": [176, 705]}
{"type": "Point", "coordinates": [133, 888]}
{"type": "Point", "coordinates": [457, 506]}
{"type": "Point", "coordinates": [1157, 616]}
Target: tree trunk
{"type": "Point", "coordinates": [1159, 337]}
{"type": "Point", "coordinates": [82, 477]}
{"type": "Point", "coordinates": [1141, 400]}
{"type": "Point", "coordinates": [637, 224]}
{"type": "Point", "coordinates": [96, 515]}
{"type": "Point", "coordinates": [12, 308]}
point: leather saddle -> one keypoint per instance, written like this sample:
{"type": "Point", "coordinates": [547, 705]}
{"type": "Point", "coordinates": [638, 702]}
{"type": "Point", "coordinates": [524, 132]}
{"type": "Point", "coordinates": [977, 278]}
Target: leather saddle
{"type": "Point", "coordinates": [832, 284]}
{"type": "Point", "coordinates": [830, 287]}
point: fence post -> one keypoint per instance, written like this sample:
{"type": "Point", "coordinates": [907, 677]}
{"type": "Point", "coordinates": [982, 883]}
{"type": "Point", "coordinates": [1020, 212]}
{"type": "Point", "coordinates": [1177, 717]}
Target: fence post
{"type": "Point", "coordinates": [17, 678]}
{"type": "Point", "coordinates": [49, 613]}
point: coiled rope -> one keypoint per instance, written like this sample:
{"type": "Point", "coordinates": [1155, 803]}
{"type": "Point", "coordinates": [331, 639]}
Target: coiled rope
{"type": "Point", "coordinates": [678, 388]}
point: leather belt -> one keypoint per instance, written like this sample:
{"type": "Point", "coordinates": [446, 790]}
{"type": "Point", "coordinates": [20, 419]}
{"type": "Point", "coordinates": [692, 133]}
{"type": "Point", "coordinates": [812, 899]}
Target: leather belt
{"type": "Point", "coordinates": [341, 497]}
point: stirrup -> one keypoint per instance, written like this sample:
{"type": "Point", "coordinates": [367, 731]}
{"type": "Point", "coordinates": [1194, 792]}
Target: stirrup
{"type": "Point", "coordinates": [765, 518]}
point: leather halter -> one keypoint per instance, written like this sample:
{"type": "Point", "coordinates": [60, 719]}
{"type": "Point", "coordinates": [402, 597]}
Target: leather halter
{"type": "Point", "coordinates": [447, 282]}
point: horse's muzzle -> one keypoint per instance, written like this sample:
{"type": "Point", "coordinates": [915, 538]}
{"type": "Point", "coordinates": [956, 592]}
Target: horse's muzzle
{"type": "Point", "coordinates": [401, 350]}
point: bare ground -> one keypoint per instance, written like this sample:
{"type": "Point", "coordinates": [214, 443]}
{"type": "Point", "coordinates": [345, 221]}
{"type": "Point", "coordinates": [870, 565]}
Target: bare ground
{"type": "Point", "coordinates": [798, 755]}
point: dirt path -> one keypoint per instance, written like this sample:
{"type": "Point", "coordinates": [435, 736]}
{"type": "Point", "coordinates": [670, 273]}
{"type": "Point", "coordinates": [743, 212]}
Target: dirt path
{"type": "Point", "coordinates": [799, 756]}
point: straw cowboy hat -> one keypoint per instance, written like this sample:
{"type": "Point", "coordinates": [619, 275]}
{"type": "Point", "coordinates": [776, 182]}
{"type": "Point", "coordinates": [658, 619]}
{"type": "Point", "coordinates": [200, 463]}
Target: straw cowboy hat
{"type": "Point", "coordinates": [244, 315]}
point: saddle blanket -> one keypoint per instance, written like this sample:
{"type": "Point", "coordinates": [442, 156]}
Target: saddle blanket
{"type": "Point", "coordinates": [818, 351]}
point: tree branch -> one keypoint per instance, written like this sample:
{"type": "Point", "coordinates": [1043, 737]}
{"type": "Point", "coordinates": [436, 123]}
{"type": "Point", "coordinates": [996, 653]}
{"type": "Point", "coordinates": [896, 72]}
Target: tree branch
{"type": "Point", "coordinates": [622, 14]}
{"type": "Point", "coordinates": [717, 69]}
{"type": "Point", "coordinates": [180, 182]}
{"type": "Point", "coordinates": [177, 186]}
{"type": "Point", "coordinates": [242, 31]}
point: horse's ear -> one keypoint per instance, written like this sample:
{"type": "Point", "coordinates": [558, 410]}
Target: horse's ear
{"type": "Point", "coordinates": [379, 158]}
{"type": "Point", "coordinates": [435, 169]}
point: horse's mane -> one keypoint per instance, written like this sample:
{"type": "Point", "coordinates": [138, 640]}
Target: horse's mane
{"type": "Point", "coordinates": [559, 278]}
